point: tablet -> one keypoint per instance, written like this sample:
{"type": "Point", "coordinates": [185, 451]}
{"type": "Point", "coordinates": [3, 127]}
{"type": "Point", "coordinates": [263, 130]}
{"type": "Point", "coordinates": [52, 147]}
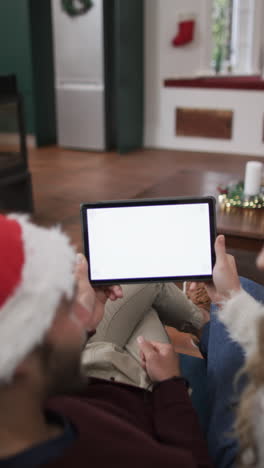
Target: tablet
{"type": "Point", "coordinates": [132, 241]}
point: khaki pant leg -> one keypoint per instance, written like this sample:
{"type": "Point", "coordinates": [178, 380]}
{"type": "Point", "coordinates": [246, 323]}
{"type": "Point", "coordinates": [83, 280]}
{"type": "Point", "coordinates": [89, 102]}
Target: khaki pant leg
{"type": "Point", "coordinates": [123, 315]}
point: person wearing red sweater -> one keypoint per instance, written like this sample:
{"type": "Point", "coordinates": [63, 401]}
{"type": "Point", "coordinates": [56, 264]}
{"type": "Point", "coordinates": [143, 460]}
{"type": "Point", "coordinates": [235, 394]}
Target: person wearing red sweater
{"type": "Point", "coordinates": [51, 414]}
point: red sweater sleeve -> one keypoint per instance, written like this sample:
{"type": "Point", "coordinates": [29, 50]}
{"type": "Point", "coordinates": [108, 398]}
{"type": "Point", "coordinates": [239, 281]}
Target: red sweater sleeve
{"type": "Point", "coordinates": [176, 422]}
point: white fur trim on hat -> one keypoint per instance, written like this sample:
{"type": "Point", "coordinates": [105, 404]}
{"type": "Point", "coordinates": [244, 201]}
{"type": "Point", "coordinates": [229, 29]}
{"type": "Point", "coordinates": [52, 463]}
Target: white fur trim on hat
{"type": "Point", "coordinates": [47, 276]}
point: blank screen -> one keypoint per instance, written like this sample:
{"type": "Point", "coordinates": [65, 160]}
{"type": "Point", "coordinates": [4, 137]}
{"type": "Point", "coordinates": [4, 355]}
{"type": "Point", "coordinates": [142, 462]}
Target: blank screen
{"type": "Point", "coordinates": [149, 241]}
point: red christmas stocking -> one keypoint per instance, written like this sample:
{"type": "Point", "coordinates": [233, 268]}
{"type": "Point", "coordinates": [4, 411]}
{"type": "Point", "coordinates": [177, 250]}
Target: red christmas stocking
{"type": "Point", "coordinates": [185, 33]}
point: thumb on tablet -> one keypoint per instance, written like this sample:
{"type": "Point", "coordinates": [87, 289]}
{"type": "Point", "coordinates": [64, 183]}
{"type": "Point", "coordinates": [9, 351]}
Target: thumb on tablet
{"type": "Point", "coordinates": [225, 276]}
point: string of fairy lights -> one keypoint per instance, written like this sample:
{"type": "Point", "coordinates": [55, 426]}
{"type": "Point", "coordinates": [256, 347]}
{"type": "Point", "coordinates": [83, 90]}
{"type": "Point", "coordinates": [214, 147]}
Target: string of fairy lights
{"type": "Point", "coordinates": [233, 196]}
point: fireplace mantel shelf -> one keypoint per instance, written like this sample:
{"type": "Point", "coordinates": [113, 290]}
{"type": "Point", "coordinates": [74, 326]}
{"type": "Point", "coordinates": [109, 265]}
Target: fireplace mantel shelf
{"type": "Point", "coordinates": [250, 83]}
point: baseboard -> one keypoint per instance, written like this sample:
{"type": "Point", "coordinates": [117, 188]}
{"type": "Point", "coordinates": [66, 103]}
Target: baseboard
{"type": "Point", "coordinates": [13, 138]}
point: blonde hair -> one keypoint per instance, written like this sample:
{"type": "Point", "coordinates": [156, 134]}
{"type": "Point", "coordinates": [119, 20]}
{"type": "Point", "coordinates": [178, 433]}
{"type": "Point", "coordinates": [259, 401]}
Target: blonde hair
{"type": "Point", "coordinates": [244, 423]}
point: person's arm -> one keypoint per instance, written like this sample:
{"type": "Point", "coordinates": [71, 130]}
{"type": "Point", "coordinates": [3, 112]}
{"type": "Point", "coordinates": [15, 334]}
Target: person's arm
{"type": "Point", "coordinates": [238, 310]}
{"type": "Point", "coordinates": [174, 419]}
{"type": "Point", "coordinates": [176, 422]}
{"type": "Point", "coordinates": [241, 314]}
{"type": "Point", "coordinates": [93, 300]}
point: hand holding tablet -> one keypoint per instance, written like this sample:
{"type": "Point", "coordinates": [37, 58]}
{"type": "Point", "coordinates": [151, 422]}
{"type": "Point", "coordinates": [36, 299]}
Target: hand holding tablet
{"type": "Point", "coordinates": [134, 241]}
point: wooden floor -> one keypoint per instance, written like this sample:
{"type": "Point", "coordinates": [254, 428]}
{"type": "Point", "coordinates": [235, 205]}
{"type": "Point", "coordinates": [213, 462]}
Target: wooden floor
{"type": "Point", "coordinates": [62, 179]}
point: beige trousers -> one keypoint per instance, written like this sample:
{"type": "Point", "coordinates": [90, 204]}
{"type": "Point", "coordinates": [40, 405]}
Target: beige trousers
{"type": "Point", "coordinates": [113, 354]}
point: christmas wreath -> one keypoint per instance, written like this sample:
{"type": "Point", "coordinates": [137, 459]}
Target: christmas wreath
{"type": "Point", "coordinates": [76, 7]}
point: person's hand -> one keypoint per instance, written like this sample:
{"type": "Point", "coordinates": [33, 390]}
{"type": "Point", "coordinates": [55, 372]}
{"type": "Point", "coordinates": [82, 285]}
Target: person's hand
{"type": "Point", "coordinates": [159, 360]}
{"type": "Point", "coordinates": [93, 300]}
{"type": "Point", "coordinates": [225, 276]}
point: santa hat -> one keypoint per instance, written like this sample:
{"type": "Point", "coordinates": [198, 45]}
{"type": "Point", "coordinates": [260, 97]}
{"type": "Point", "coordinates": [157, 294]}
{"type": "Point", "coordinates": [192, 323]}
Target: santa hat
{"type": "Point", "coordinates": [36, 271]}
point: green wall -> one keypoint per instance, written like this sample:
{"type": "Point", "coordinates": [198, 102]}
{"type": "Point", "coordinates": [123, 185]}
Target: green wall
{"type": "Point", "coordinates": [124, 73]}
{"type": "Point", "coordinates": [15, 51]}
{"type": "Point", "coordinates": [26, 50]}
{"type": "Point", "coordinates": [43, 71]}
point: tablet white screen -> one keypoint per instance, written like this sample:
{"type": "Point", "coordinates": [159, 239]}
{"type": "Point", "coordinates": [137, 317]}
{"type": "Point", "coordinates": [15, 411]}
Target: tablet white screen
{"type": "Point", "coordinates": [149, 241]}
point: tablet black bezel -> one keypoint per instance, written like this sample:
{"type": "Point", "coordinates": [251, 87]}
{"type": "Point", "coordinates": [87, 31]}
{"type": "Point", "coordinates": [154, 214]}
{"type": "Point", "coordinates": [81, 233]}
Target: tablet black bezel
{"type": "Point", "coordinates": [210, 201]}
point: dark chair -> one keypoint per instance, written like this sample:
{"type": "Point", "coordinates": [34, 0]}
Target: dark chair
{"type": "Point", "coordinates": [15, 178]}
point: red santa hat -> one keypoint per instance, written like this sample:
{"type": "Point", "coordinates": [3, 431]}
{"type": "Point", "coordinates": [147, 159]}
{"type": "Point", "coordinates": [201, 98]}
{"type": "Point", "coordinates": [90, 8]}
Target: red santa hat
{"type": "Point", "coordinates": [36, 271]}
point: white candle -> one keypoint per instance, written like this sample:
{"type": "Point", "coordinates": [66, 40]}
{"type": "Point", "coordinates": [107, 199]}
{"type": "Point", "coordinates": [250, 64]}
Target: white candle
{"type": "Point", "coordinates": [252, 178]}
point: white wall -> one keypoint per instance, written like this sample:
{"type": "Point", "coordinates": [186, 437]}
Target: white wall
{"type": "Point", "coordinates": [164, 61]}
{"type": "Point", "coordinates": [248, 110]}
{"type": "Point", "coordinates": [187, 60]}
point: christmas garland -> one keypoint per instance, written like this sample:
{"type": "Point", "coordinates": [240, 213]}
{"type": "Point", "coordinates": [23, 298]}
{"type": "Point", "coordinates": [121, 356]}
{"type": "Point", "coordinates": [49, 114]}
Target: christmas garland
{"type": "Point", "coordinates": [76, 7]}
{"type": "Point", "coordinates": [233, 196]}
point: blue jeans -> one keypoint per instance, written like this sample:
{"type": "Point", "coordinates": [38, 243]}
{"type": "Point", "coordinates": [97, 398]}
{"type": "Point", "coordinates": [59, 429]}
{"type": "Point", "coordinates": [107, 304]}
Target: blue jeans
{"type": "Point", "coordinates": [223, 359]}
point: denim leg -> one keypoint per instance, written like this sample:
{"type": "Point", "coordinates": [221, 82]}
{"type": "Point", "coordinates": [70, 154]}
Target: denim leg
{"type": "Point", "coordinates": [224, 358]}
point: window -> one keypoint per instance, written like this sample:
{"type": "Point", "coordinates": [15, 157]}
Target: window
{"type": "Point", "coordinates": [222, 34]}
{"type": "Point", "coordinates": [236, 36]}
